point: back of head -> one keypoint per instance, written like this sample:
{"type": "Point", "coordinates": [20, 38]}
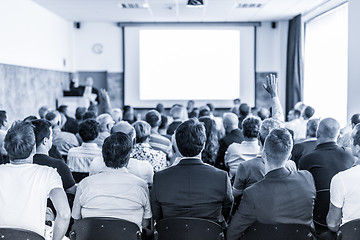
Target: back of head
{"type": "Point", "coordinates": [211, 107]}
{"type": "Point", "coordinates": [278, 146]}
{"type": "Point", "coordinates": [63, 109]}
{"type": "Point", "coordinates": [79, 112]}
{"type": "Point", "coordinates": [164, 122]}
{"type": "Point", "coordinates": [19, 140]}
{"type": "Point", "coordinates": [210, 126]}
{"type": "Point", "coordinates": [204, 113]}
{"type": "Point", "coordinates": [251, 127]}
{"type": "Point", "coordinates": [328, 130]}
{"type": "Point", "coordinates": [300, 106]}
{"type": "Point", "coordinates": [355, 119]}
{"type": "Point", "coordinates": [43, 111]}
{"type": "Point", "coordinates": [54, 118]}
{"type": "Point", "coordinates": [190, 137]}
{"type": "Point", "coordinates": [244, 109]}
{"type": "Point", "coordinates": [117, 114]}
{"type": "Point", "coordinates": [236, 101]}
{"type": "Point", "coordinates": [263, 113]}
{"type": "Point", "coordinates": [160, 108]}
{"type": "Point", "coordinates": [268, 125]}
{"type": "Point", "coordinates": [308, 112]}
{"type": "Point", "coordinates": [116, 150]}
{"type": "Point", "coordinates": [230, 121]}
{"type": "Point", "coordinates": [30, 118]}
{"type": "Point", "coordinates": [41, 130]}
{"type": "Point", "coordinates": [176, 112]}
{"type": "Point", "coordinates": [89, 130]}
{"type": "Point", "coordinates": [153, 117]}
{"type": "Point", "coordinates": [89, 115]}
{"type": "Point", "coordinates": [3, 117]}
{"type": "Point", "coordinates": [355, 134]}
{"type": "Point", "coordinates": [311, 127]}
{"type": "Point", "coordinates": [124, 127]}
{"type": "Point", "coordinates": [143, 130]}
{"type": "Point", "coordinates": [106, 122]}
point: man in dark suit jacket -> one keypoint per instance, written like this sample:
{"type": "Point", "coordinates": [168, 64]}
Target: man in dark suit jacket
{"type": "Point", "coordinates": [191, 188]}
{"type": "Point", "coordinates": [233, 134]}
{"type": "Point", "coordinates": [324, 162]}
{"type": "Point", "coordinates": [283, 196]}
{"type": "Point", "coordinates": [309, 144]}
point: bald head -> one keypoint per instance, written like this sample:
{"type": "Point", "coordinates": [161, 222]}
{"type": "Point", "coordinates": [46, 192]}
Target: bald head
{"type": "Point", "coordinates": [230, 121]}
{"type": "Point", "coordinates": [124, 127]}
{"type": "Point", "coordinates": [328, 130]}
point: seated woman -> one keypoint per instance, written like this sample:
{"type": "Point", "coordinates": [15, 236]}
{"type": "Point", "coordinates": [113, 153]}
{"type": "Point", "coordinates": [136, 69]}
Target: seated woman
{"type": "Point", "coordinates": [142, 149]}
{"type": "Point", "coordinates": [209, 153]}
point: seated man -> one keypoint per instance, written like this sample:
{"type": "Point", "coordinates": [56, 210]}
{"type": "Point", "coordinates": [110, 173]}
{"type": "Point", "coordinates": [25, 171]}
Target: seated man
{"type": "Point", "coordinates": [344, 191]}
{"type": "Point", "coordinates": [43, 139]}
{"type": "Point", "coordinates": [191, 188]}
{"type": "Point", "coordinates": [283, 196]}
{"type": "Point", "coordinates": [25, 187]}
{"type": "Point", "coordinates": [80, 158]}
{"type": "Point", "coordinates": [114, 192]}
{"type": "Point", "coordinates": [106, 123]}
{"type": "Point", "coordinates": [248, 149]}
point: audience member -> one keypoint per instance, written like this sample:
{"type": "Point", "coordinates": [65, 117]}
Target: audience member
{"type": "Point", "coordinates": [89, 115]}
{"type": "Point", "coordinates": [164, 126]}
{"type": "Point", "coordinates": [191, 188]}
{"type": "Point", "coordinates": [78, 114]}
{"type": "Point", "coordinates": [43, 140]}
{"type": "Point", "coordinates": [80, 158]}
{"type": "Point", "coordinates": [344, 140]}
{"type": "Point", "coordinates": [63, 141]}
{"type": "Point", "coordinates": [160, 108]}
{"type": "Point", "coordinates": [116, 114]}
{"type": "Point", "coordinates": [309, 144]}
{"type": "Point", "coordinates": [142, 149]}
{"type": "Point", "coordinates": [190, 106]}
{"type": "Point", "coordinates": [157, 141]}
{"type": "Point", "coordinates": [325, 161]}
{"type": "Point", "coordinates": [176, 113]}
{"type": "Point", "coordinates": [129, 115]}
{"type": "Point", "coordinates": [263, 113]}
{"type": "Point", "coordinates": [247, 149]}
{"type": "Point", "coordinates": [283, 196]}
{"type": "Point", "coordinates": [3, 130]}
{"type": "Point", "coordinates": [106, 123]}
{"type": "Point", "coordinates": [43, 111]}
{"type": "Point", "coordinates": [344, 192]}
{"type": "Point", "coordinates": [70, 124]}
{"type": "Point", "coordinates": [218, 120]}
{"type": "Point", "coordinates": [296, 124]}
{"type": "Point", "coordinates": [235, 108]}
{"type": "Point", "coordinates": [25, 187]}
{"type": "Point", "coordinates": [118, 193]}
{"type": "Point", "coordinates": [308, 113]}
{"type": "Point", "coordinates": [232, 134]}
{"type": "Point", "coordinates": [244, 111]}
{"type": "Point", "coordinates": [141, 169]}
{"type": "Point", "coordinates": [208, 155]}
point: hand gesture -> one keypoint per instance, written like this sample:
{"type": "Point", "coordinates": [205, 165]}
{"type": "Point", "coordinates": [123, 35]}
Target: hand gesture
{"type": "Point", "coordinates": [271, 85]}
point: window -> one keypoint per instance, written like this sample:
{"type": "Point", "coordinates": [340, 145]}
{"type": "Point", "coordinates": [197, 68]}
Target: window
{"type": "Point", "coordinates": [326, 64]}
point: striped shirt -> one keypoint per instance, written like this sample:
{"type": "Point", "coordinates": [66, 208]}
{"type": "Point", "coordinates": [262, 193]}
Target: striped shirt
{"type": "Point", "coordinates": [159, 142]}
{"type": "Point", "coordinates": [80, 158]}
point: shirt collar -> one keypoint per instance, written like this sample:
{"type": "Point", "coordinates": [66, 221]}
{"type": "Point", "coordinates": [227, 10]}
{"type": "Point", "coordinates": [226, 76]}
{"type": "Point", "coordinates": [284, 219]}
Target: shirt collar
{"type": "Point", "coordinates": [190, 161]}
{"type": "Point", "coordinates": [278, 173]}
{"type": "Point", "coordinates": [89, 145]}
{"type": "Point", "coordinates": [326, 145]}
{"type": "Point", "coordinates": [113, 170]}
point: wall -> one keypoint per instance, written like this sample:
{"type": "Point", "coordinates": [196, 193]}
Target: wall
{"type": "Point", "coordinates": [353, 59]}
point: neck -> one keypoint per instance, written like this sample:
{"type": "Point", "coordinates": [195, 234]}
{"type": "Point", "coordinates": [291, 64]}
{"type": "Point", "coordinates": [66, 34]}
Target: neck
{"type": "Point", "coordinates": [249, 139]}
{"type": "Point", "coordinates": [154, 130]}
{"type": "Point", "coordinates": [42, 150]}
{"type": "Point", "coordinates": [28, 160]}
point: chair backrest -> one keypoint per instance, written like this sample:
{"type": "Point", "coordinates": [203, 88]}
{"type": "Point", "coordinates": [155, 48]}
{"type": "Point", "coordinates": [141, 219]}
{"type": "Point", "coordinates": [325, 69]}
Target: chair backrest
{"type": "Point", "coordinates": [259, 231]}
{"type": "Point", "coordinates": [19, 234]}
{"type": "Point", "coordinates": [104, 228]}
{"type": "Point", "coordinates": [182, 228]}
{"type": "Point", "coordinates": [321, 207]}
{"type": "Point", "coordinates": [349, 231]}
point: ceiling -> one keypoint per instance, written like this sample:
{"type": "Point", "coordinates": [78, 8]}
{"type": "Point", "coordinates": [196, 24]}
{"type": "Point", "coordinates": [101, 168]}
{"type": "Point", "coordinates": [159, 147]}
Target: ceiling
{"type": "Point", "coordinates": [177, 11]}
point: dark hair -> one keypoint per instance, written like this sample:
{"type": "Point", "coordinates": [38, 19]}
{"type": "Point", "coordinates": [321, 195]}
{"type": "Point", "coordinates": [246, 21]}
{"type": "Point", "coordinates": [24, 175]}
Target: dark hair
{"type": "Point", "coordinates": [211, 107]}
{"type": "Point", "coordinates": [19, 140]}
{"type": "Point", "coordinates": [3, 117]}
{"type": "Point", "coordinates": [355, 119]}
{"type": "Point", "coordinates": [30, 118]}
{"type": "Point", "coordinates": [190, 137]}
{"type": "Point", "coordinates": [311, 127]}
{"type": "Point", "coordinates": [209, 153]}
{"type": "Point", "coordinates": [251, 127]}
{"type": "Point", "coordinates": [204, 113]}
{"type": "Point", "coordinates": [41, 130]}
{"type": "Point", "coordinates": [89, 115]}
{"type": "Point", "coordinates": [116, 150]}
{"type": "Point", "coordinates": [297, 113]}
{"type": "Point", "coordinates": [309, 112]}
{"type": "Point", "coordinates": [62, 109]}
{"type": "Point", "coordinates": [79, 112]}
{"type": "Point", "coordinates": [244, 109]}
{"type": "Point", "coordinates": [278, 145]}
{"type": "Point", "coordinates": [50, 116]}
{"type": "Point", "coordinates": [193, 114]}
{"type": "Point", "coordinates": [160, 108]}
{"type": "Point", "coordinates": [164, 122]}
{"type": "Point", "coordinates": [153, 117]}
{"type": "Point", "coordinates": [89, 130]}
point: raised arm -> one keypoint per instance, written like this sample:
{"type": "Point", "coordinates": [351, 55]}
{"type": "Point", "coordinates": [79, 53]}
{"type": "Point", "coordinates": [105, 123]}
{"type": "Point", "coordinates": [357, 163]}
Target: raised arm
{"type": "Point", "coordinates": [271, 87]}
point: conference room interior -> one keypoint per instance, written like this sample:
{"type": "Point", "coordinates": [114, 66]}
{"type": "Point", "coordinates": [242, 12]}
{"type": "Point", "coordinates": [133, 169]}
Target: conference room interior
{"type": "Point", "coordinates": [146, 52]}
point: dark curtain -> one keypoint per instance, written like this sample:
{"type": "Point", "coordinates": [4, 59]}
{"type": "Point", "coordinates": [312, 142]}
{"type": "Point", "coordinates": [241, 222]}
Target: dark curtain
{"type": "Point", "coordinates": [294, 64]}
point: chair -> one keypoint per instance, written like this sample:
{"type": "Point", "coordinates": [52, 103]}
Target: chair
{"type": "Point", "coordinates": [104, 228]}
{"type": "Point", "coordinates": [321, 209]}
{"type": "Point", "coordinates": [259, 231]}
{"type": "Point", "coordinates": [19, 234]}
{"type": "Point", "coordinates": [349, 231]}
{"type": "Point", "coordinates": [182, 228]}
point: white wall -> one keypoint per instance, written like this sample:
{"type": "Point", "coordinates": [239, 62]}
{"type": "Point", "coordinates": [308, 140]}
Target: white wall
{"type": "Point", "coordinates": [105, 33]}
{"type": "Point", "coordinates": [32, 36]}
{"type": "Point", "coordinates": [353, 59]}
{"type": "Point", "coordinates": [271, 52]}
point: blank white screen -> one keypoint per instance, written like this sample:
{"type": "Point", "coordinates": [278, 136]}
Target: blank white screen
{"type": "Point", "coordinates": [187, 64]}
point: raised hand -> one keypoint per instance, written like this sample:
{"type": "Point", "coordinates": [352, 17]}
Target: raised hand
{"type": "Point", "coordinates": [271, 85]}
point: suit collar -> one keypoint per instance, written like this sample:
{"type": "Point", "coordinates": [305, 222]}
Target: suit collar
{"type": "Point", "coordinates": [327, 145]}
{"type": "Point", "coordinates": [190, 161]}
{"type": "Point", "coordinates": [278, 173]}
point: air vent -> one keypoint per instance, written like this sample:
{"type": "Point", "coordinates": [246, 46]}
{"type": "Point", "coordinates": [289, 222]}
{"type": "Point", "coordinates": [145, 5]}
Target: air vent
{"type": "Point", "coordinates": [249, 5]}
{"type": "Point", "coordinates": [133, 5]}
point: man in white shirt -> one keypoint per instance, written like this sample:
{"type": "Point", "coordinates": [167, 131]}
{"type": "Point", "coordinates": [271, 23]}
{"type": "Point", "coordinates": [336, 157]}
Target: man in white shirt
{"type": "Point", "coordinates": [25, 187]}
{"type": "Point", "coordinates": [344, 190]}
